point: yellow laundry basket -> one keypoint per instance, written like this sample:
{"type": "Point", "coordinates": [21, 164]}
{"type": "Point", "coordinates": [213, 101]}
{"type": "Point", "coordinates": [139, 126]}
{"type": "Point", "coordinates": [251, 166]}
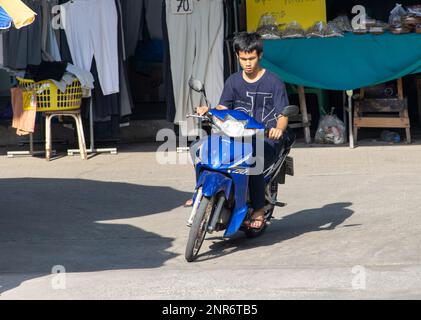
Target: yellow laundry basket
{"type": "Point", "coordinates": [50, 98]}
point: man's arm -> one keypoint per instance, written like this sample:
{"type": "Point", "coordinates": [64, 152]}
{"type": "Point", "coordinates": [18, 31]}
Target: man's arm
{"type": "Point", "coordinates": [203, 109]}
{"type": "Point", "coordinates": [281, 126]}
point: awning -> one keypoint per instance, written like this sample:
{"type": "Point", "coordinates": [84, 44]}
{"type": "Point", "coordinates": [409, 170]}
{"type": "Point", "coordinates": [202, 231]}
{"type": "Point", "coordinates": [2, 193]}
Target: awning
{"type": "Point", "coordinates": [344, 63]}
{"type": "Point", "coordinates": [20, 13]}
{"type": "Point", "coordinates": [5, 20]}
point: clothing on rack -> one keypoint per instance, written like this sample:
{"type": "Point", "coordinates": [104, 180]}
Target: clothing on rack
{"type": "Point", "coordinates": [104, 105]}
{"type": "Point", "coordinates": [126, 102]}
{"type": "Point", "coordinates": [137, 14]}
{"type": "Point", "coordinates": [91, 29]}
{"type": "Point", "coordinates": [167, 75]}
{"type": "Point", "coordinates": [49, 44]}
{"type": "Point", "coordinates": [24, 111]}
{"type": "Point", "coordinates": [230, 61]}
{"type": "Point", "coordinates": [196, 50]}
{"type": "Point", "coordinates": [1, 50]}
{"type": "Point", "coordinates": [22, 47]}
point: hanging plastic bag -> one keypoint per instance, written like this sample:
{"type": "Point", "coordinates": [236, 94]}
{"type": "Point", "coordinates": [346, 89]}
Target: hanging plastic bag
{"type": "Point", "coordinates": [414, 10]}
{"type": "Point", "coordinates": [293, 30]}
{"type": "Point", "coordinates": [395, 15]}
{"type": "Point", "coordinates": [330, 130]}
{"type": "Point", "coordinates": [268, 27]}
{"type": "Point", "coordinates": [342, 23]}
{"type": "Point", "coordinates": [317, 30]}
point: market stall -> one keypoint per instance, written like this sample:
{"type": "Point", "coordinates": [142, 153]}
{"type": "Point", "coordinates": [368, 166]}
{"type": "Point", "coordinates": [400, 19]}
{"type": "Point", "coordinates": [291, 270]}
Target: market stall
{"type": "Point", "coordinates": [345, 55]}
{"type": "Point", "coordinates": [344, 63]}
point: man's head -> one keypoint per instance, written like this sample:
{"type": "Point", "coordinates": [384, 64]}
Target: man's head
{"type": "Point", "coordinates": [249, 50]}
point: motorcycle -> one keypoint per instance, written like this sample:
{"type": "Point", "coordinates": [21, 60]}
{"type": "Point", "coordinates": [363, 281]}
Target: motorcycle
{"type": "Point", "coordinates": [222, 165]}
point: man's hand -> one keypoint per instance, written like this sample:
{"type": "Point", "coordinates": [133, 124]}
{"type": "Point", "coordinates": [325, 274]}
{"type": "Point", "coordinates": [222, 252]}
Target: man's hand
{"type": "Point", "coordinates": [275, 133]}
{"type": "Point", "coordinates": [202, 110]}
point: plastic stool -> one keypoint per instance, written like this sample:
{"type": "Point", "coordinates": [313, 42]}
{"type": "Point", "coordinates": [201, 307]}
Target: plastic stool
{"type": "Point", "coordinates": [75, 114]}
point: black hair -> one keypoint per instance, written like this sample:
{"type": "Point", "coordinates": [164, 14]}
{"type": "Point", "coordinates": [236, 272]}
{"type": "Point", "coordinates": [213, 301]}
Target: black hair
{"type": "Point", "coordinates": [248, 42]}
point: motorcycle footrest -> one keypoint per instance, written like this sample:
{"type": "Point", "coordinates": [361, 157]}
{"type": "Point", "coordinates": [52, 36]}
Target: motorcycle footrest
{"type": "Point", "coordinates": [280, 204]}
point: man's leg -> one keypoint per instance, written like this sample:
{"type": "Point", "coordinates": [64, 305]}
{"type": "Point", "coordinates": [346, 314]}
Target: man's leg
{"type": "Point", "coordinates": [257, 198]}
{"type": "Point", "coordinates": [257, 182]}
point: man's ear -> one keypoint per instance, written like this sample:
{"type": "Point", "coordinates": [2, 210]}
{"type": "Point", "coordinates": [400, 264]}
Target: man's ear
{"type": "Point", "coordinates": [261, 56]}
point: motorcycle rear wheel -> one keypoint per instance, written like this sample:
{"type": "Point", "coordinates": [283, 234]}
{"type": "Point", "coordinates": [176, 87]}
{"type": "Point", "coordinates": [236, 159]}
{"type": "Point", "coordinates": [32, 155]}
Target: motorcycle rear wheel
{"type": "Point", "coordinates": [198, 228]}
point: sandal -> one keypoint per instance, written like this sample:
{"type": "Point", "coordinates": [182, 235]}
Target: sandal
{"type": "Point", "coordinates": [248, 222]}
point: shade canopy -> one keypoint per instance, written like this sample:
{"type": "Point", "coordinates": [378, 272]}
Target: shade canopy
{"type": "Point", "coordinates": [344, 63]}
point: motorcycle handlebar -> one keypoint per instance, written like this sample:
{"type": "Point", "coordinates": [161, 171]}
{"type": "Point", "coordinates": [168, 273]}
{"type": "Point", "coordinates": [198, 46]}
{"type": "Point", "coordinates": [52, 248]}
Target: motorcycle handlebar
{"type": "Point", "coordinates": [204, 117]}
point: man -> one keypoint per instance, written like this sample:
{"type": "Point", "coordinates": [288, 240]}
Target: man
{"type": "Point", "coordinates": [262, 95]}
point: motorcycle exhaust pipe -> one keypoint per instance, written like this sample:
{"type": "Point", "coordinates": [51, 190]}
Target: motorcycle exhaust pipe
{"type": "Point", "coordinates": [216, 214]}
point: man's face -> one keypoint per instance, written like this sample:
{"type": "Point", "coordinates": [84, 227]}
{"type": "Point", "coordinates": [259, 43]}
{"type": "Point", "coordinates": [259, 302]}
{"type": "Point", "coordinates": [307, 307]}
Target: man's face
{"type": "Point", "coordinates": [249, 61]}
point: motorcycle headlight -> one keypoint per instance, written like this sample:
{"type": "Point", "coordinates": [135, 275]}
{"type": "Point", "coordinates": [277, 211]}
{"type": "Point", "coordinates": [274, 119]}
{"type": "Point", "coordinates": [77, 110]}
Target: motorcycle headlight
{"type": "Point", "coordinates": [236, 129]}
{"type": "Point", "coordinates": [233, 128]}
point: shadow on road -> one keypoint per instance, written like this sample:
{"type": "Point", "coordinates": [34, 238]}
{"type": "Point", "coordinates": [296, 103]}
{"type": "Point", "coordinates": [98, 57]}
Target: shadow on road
{"type": "Point", "coordinates": [49, 222]}
{"type": "Point", "coordinates": [325, 218]}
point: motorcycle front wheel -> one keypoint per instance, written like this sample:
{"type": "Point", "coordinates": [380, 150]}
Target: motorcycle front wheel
{"type": "Point", "coordinates": [198, 228]}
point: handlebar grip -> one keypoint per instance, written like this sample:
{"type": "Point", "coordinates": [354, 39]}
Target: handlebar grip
{"type": "Point", "coordinates": [266, 133]}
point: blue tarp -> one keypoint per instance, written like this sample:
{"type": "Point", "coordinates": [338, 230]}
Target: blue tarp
{"type": "Point", "coordinates": [5, 20]}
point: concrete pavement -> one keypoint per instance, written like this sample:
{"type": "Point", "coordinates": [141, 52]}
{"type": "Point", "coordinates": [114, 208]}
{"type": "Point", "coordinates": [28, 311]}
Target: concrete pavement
{"type": "Point", "coordinates": [116, 226]}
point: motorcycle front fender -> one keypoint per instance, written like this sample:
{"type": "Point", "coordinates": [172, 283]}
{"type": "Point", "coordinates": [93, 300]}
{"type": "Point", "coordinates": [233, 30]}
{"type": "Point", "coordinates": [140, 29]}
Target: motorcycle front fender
{"type": "Point", "coordinates": [214, 182]}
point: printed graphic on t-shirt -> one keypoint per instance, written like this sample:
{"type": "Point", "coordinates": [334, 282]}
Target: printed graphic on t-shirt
{"type": "Point", "coordinates": [266, 114]}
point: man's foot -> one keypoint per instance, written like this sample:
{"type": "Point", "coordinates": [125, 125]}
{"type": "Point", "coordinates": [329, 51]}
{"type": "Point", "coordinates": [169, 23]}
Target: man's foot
{"type": "Point", "coordinates": [257, 220]}
{"type": "Point", "coordinates": [188, 203]}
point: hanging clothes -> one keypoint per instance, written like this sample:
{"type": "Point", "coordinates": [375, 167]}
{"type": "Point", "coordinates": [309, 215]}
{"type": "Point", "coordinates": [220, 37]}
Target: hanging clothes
{"type": "Point", "coordinates": [20, 13]}
{"type": "Point", "coordinates": [24, 111]}
{"type": "Point", "coordinates": [167, 75]}
{"type": "Point", "coordinates": [23, 46]}
{"type": "Point", "coordinates": [49, 44]}
{"type": "Point", "coordinates": [137, 14]}
{"type": "Point", "coordinates": [196, 50]}
{"type": "Point", "coordinates": [91, 31]}
{"type": "Point", "coordinates": [126, 102]}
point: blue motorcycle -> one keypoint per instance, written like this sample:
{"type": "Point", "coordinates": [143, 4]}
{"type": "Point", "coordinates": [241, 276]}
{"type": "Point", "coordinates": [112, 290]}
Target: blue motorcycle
{"type": "Point", "coordinates": [223, 161]}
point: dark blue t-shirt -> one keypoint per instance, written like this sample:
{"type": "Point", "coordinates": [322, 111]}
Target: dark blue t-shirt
{"type": "Point", "coordinates": [264, 99]}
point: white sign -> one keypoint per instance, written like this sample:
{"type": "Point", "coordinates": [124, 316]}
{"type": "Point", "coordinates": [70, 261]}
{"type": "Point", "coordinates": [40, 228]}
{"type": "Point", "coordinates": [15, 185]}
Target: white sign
{"type": "Point", "coordinates": [182, 6]}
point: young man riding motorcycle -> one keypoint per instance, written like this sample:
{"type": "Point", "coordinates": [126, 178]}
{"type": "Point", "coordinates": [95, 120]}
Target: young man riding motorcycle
{"type": "Point", "coordinates": [262, 95]}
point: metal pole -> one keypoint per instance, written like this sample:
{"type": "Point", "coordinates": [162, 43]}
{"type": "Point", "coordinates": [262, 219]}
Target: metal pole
{"type": "Point", "coordinates": [351, 135]}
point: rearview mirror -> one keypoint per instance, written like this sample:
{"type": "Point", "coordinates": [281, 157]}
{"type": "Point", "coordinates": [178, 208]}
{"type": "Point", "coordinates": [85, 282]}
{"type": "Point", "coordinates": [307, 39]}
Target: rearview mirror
{"type": "Point", "coordinates": [196, 85]}
{"type": "Point", "coordinates": [290, 111]}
